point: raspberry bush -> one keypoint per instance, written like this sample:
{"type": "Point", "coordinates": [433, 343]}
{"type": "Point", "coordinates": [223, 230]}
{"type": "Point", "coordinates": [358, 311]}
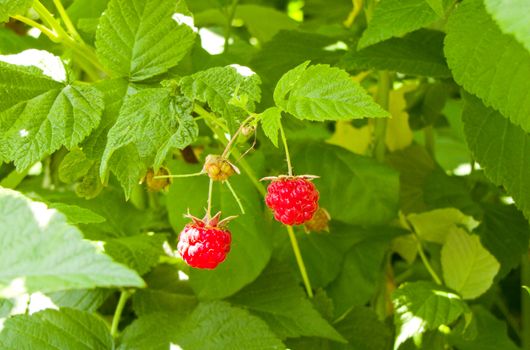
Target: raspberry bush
{"type": "Point", "coordinates": [370, 160]}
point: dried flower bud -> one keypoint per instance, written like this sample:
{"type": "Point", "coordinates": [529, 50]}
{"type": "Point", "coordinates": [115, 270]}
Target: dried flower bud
{"type": "Point", "coordinates": [319, 222]}
{"type": "Point", "coordinates": [218, 168]}
{"type": "Point", "coordinates": [157, 185]}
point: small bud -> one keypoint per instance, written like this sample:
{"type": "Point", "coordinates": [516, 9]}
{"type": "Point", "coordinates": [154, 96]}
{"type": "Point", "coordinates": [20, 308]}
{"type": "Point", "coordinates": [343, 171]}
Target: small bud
{"type": "Point", "coordinates": [218, 168]}
{"type": "Point", "coordinates": [319, 222]}
{"type": "Point", "coordinates": [248, 130]}
{"type": "Point", "coordinates": [157, 185]}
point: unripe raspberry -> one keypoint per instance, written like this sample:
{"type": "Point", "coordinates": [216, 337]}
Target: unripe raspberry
{"type": "Point", "coordinates": [157, 185]}
{"type": "Point", "coordinates": [293, 199]}
{"type": "Point", "coordinates": [204, 244]}
{"type": "Point", "coordinates": [319, 222]}
{"type": "Point", "coordinates": [219, 168]}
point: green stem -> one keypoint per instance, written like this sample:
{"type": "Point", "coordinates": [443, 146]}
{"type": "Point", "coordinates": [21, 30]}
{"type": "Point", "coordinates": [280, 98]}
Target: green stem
{"type": "Point", "coordinates": [427, 264]}
{"type": "Point", "coordinates": [299, 260]}
{"type": "Point", "coordinates": [67, 21]}
{"type": "Point", "coordinates": [525, 302]}
{"type": "Point", "coordinates": [234, 194]}
{"type": "Point", "coordinates": [236, 134]}
{"type": "Point", "coordinates": [383, 95]}
{"type": "Point", "coordinates": [124, 295]}
{"type": "Point", "coordinates": [429, 140]}
{"type": "Point", "coordinates": [45, 30]}
{"type": "Point", "coordinates": [210, 191]}
{"type": "Point", "coordinates": [287, 156]}
{"type": "Point", "coordinates": [14, 179]}
{"type": "Point", "coordinates": [80, 48]}
{"type": "Point", "coordinates": [230, 18]}
{"type": "Point", "coordinates": [178, 175]}
{"type": "Point", "coordinates": [357, 6]}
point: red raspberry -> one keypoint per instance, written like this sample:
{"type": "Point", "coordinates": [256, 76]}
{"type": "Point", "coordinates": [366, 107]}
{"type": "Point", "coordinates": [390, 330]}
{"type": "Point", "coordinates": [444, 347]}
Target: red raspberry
{"type": "Point", "coordinates": [204, 244]}
{"type": "Point", "coordinates": [293, 200]}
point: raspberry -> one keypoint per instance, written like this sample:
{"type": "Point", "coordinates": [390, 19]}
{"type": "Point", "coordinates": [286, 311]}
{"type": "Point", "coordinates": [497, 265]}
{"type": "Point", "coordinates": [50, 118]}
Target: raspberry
{"type": "Point", "coordinates": [319, 222]}
{"type": "Point", "coordinates": [219, 168]}
{"type": "Point", "coordinates": [293, 200]}
{"type": "Point", "coordinates": [204, 244]}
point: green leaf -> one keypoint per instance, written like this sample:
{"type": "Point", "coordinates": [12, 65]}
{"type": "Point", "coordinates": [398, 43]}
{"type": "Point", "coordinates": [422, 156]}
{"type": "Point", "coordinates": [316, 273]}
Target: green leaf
{"type": "Point", "coordinates": [491, 334]}
{"type": "Point", "coordinates": [114, 91]}
{"type": "Point", "coordinates": [277, 298]}
{"type": "Point", "coordinates": [417, 53]}
{"type": "Point", "coordinates": [468, 267]}
{"type": "Point", "coordinates": [139, 252]}
{"type": "Point", "coordinates": [139, 39]}
{"type": "Point", "coordinates": [437, 6]}
{"type": "Point", "coordinates": [527, 289]}
{"type": "Point", "coordinates": [435, 225]}
{"type": "Point", "coordinates": [264, 22]}
{"type": "Point", "coordinates": [271, 122]}
{"type": "Point", "coordinates": [77, 215]}
{"type": "Point", "coordinates": [289, 48]}
{"type": "Point", "coordinates": [82, 299]}
{"type": "Point", "coordinates": [501, 148]}
{"type": "Point", "coordinates": [155, 331]}
{"type": "Point", "coordinates": [46, 254]}
{"type": "Point", "coordinates": [488, 63]}
{"type": "Point", "coordinates": [364, 330]}
{"type": "Point", "coordinates": [63, 329]}
{"type": "Point", "coordinates": [213, 325]}
{"type": "Point", "coordinates": [321, 92]}
{"type": "Point", "coordinates": [74, 166]}
{"type": "Point", "coordinates": [394, 18]}
{"type": "Point", "coordinates": [13, 7]}
{"type": "Point", "coordinates": [422, 306]}
{"type": "Point", "coordinates": [217, 86]}
{"type": "Point", "coordinates": [165, 292]}
{"type": "Point", "coordinates": [505, 233]}
{"type": "Point", "coordinates": [511, 18]}
{"type": "Point", "coordinates": [41, 115]}
{"type": "Point", "coordinates": [362, 268]}
{"type": "Point", "coordinates": [150, 122]}
{"type": "Point", "coordinates": [414, 165]}
{"type": "Point", "coordinates": [240, 329]}
{"type": "Point", "coordinates": [374, 186]}
{"type": "Point", "coordinates": [6, 305]}
{"type": "Point", "coordinates": [12, 43]}
{"type": "Point", "coordinates": [251, 243]}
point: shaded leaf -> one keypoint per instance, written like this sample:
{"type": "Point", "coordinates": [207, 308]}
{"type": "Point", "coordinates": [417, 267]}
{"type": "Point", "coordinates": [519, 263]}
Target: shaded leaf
{"type": "Point", "coordinates": [488, 63]}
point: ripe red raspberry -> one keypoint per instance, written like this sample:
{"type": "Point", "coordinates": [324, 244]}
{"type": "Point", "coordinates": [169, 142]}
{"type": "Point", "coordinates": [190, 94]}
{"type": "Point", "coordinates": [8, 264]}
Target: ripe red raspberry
{"type": "Point", "coordinates": [205, 243]}
{"type": "Point", "coordinates": [293, 199]}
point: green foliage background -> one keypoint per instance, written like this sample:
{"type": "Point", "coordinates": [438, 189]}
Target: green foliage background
{"type": "Point", "coordinates": [415, 115]}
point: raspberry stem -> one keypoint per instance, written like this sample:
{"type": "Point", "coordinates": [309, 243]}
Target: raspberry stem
{"type": "Point", "coordinates": [178, 175]}
{"type": "Point", "coordinates": [236, 134]}
{"type": "Point", "coordinates": [299, 261]}
{"type": "Point", "coordinates": [124, 295]}
{"type": "Point", "coordinates": [287, 156]}
{"type": "Point", "coordinates": [210, 190]}
{"type": "Point", "coordinates": [235, 196]}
